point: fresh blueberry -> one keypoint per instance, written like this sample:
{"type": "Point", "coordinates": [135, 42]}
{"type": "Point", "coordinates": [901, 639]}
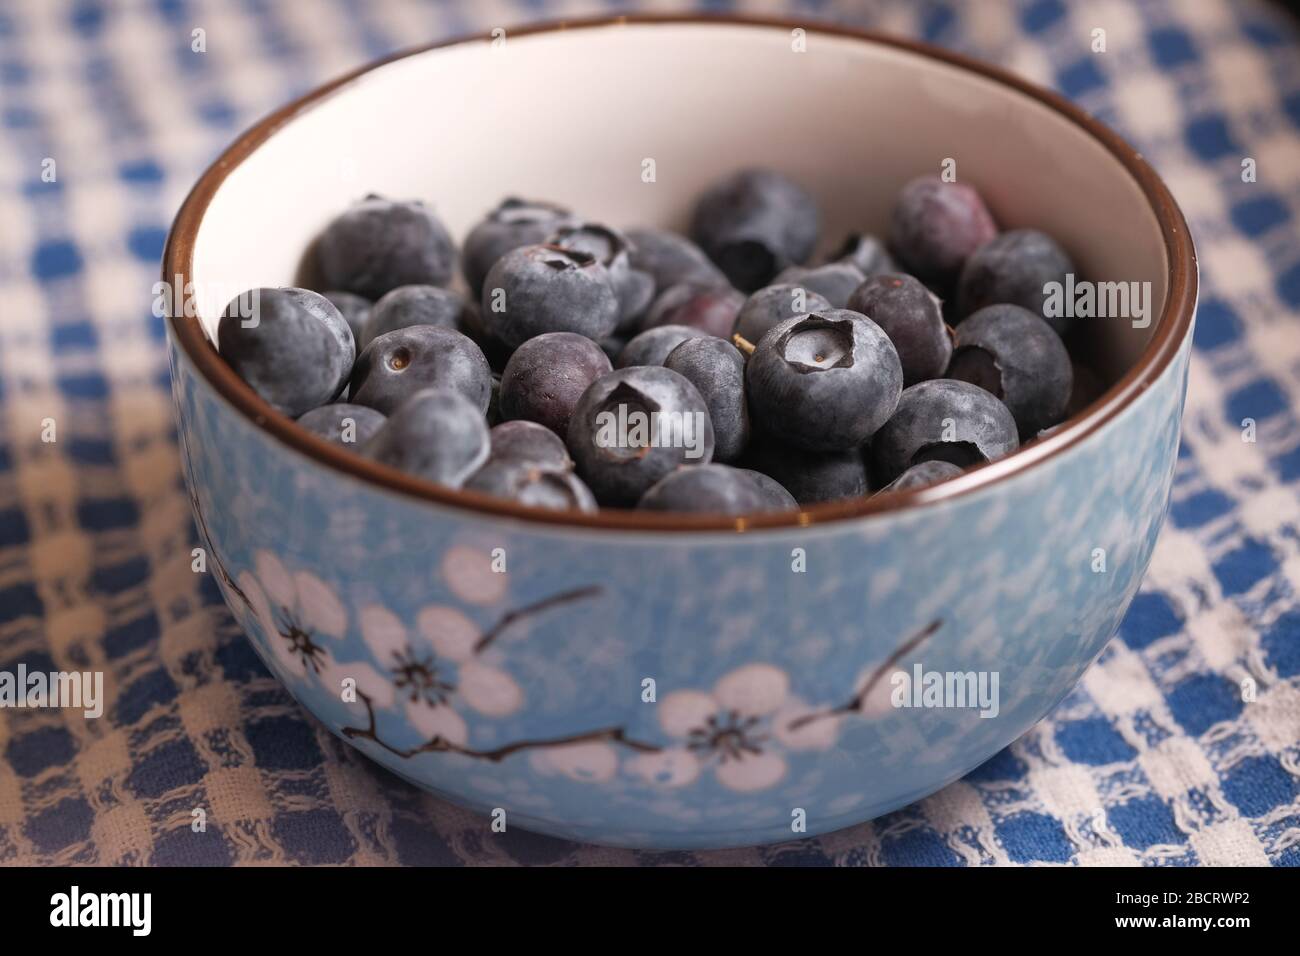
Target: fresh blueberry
{"type": "Point", "coordinates": [437, 434]}
{"type": "Point", "coordinates": [398, 364]}
{"type": "Point", "coordinates": [613, 345]}
{"type": "Point", "coordinates": [670, 259]}
{"type": "Point", "coordinates": [717, 370]}
{"type": "Point", "coordinates": [834, 281]}
{"type": "Point", "coordinates": [471, 325]}
{"type": "Point", "coordinates": [494, 402]}
{"type": "Point", "coordinates": [936, 225]}
{"type": "Point", "coordinates": [912, 317]}
{"type": "Point", "coordinates": [635, 425]}
{"type": "Point", "coordinates": [715, 489]}
{"type": "Point", "coordinates": [810, 476]}
{"type": "Point", "coordinates": [348, 426]}
{"type": "Point", "coordinates": [380, 244]}
{"type": "Point", "coordinates": [537, 289]}
{"type": "Point", "coordinates": [531, 442]}
{"type": "Point", "coordinates": [1016, 356]}
{"type": "Point", "coordinates": [633, 289]}
{"type": "Point", "coordinates": [547, 375]}
{"type": "Point", "coordinates": [636, 295]}
{"type": "Point", "coordinates": [412, 305]}
{"type": "Point", "coordinates": [867, 253]}
{"type": "Point", "coordinates": [923, 475]}
{"type": "Point", "coordinates": [652, 346]}
{"type": "Point", "coordinates": [354, 309]}
{"type": "Point", "coordinates": [755, 223]}
{"type": "Point", "coordinates": [775, 497]}
{"type": "Point", "coordinates": [772, 305]}
{"type": "Point", "coordinates": [711, 309]}
{"type": "Point", "coordinates": [533, 484]}
{"type": "Point", "coordinates": [1014, 268]}
{"type": "Point", "coordinates": [514, 223]}
{"type": "Point", "coordinates": [292, 346]}
{"type": "Point", "coordinates": [824, 381]}
{"type": "Point", "coordinates": [942, 420]}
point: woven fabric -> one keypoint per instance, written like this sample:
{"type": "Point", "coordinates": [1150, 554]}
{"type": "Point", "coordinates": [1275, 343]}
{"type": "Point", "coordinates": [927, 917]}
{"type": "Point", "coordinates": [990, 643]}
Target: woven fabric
{"type": "Point", "coordinates": [1154, 759]}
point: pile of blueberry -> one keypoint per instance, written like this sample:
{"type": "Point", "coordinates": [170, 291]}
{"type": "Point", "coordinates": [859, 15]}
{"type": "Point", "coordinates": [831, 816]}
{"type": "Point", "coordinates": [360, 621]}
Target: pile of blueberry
{"type": "Point", "coordinates": [880, 367]}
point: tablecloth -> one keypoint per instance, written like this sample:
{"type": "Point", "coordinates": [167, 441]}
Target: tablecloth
{"type": "Point", "coordinates": [109, 113]}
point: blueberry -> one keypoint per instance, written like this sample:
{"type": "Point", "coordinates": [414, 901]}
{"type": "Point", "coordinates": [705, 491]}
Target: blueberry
{"type": "Point", "coordinates": [867, 253]}
{"type": "Point", "coordinates": [773, 304]}
{"type": "Point", "coordinates": [912, 317]}
{"type": "Point", "coordinates": [775, 497]}
{"type": "Point", "coordinates": [348, 426]}
{"type": "Point", "coordinates": [533, 484]}
{"type": "Point", "coordinates": [380, 244]}
{"type": "Point", "coordinates": [292, 346]}
{"type": "Point", "coordinates": [612, 345]}
{"type": "Point", "coordinates": [717, 370]}
{"type": "Point", "coordinates": [514, 223]}
{"type": "Point", "coordinates": [494, 402]}
{"type": "Point", "coordinates": [824, 381]}
{"type": "Point", "coordinates": [923, 475]}
{"type": "Point", "coordinates": [537, 289]}
{"type": "Point", "coordinates": [635, 425]}
{"type": "Point", "coordinates": [471, 325]}
{"type": "Point", "coordinates": [412, 305]}
{"type": "Point", "coordinates": [936, 225]}
{"type": "Point", "coordinates": [810, 476]}
{"type": "Point", "coordinates": [755, 223]}
{"type": "Point", "coordinates": [636, 295]}
{"type": "Point", "coordinates": [670, 259]}
{"type": "Point", "coordinates": [354, 309]}
{"type": "Point", "coordinates": [942, 420]}
{"type": "Point", "coordinates": [715, 489]}
{"type": "Point", "coordinates": [530, 442]}
{"type": "Point", "coordinates": [1016, 356]}
{"type": "Point", "coordinates": [547, 375]}
{"type": "Point", "coordinates": [711, 309]}
{"type": "Point", "coordinates": [652, 346]}
{"type": "Point", "coordinates": [437, 434]}
{"type": "Point", "coordinates": [609, 247]}
{"type": "Point", "coordinates": [1014, 268]}
{"type": "Point", "coordinates": [834, 281]}
{"type": "Point", "coordinates": [398, 364]}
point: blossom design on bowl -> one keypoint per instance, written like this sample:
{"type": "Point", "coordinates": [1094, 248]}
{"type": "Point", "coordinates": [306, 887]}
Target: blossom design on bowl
{"type": "Point", "coordinates": [741, 729]}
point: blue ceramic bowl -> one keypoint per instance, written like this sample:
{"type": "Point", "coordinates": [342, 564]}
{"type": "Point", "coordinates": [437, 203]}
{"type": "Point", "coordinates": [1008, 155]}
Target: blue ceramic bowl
{"type": "Point", "coordinates": [645, 679]}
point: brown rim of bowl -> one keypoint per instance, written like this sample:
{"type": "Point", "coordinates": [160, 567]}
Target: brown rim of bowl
{"type": "Point", "coordinates": [1171, 329]}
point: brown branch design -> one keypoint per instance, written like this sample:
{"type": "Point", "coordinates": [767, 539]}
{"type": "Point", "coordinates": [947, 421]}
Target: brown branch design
{"type": "Point", "coordinates": [854, 704]}
{"type": "Point", "coordinates": [615, 735]}
{"type": "Point", "coordinates": [731, 740]}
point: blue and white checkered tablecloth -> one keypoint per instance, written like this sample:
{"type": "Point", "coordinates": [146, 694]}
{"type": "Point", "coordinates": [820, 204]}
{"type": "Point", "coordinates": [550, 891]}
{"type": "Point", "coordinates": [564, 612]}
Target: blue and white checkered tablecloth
{"type": "Point", "coordinates": [1154, 759]}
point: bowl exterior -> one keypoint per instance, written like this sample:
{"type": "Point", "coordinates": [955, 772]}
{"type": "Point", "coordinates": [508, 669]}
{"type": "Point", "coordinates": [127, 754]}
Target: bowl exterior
{"type": "Point", "coordinates": [667, 689]}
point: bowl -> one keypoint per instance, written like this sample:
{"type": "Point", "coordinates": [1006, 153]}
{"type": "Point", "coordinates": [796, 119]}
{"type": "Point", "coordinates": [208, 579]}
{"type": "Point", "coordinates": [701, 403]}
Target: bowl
{"type": "Point", "coordinates": [661, 680]}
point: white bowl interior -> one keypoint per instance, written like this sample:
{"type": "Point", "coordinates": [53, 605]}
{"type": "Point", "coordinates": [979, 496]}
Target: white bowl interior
{"type": "Point", "coordinates": [572, 116]}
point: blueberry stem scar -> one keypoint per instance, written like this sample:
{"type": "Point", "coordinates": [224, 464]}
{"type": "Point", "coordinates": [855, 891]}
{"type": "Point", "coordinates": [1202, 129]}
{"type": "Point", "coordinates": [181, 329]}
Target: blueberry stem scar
{"type": "Point", "coordinates": [743, 344]}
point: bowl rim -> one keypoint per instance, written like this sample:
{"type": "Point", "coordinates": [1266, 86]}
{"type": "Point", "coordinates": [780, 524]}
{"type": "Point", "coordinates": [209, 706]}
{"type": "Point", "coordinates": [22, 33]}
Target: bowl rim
{"type": "Point", "coordinates": [1173, 325]}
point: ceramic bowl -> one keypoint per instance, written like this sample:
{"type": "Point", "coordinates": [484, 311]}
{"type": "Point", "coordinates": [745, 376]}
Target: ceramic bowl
{"type": "Point", "coordinates": [644, 679]}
